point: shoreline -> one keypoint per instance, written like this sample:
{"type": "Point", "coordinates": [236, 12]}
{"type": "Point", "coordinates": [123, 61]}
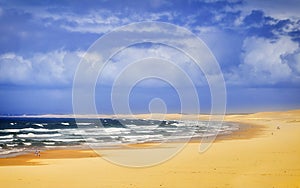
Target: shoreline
{"type": "Point", "coordinates": [245, 131]}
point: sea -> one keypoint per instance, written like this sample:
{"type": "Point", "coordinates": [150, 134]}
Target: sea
{"type": "Point", "coordinates": [20, 135]}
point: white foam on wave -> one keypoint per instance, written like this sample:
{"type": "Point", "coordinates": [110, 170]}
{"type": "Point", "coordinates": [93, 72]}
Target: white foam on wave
{"type": "Point", "coordinates": [38, 130]}
{"type": "Point", "coordinates": [84, 123]}
{"type": "Point", "coordinates": [9, 130]}
{"type": "Point", "coordinates": [11, 145]}
{"type": "Point", "coordinates": [6, 140]}
{"type": "Point", "coordinates": [49, 143]}
{"type": "Point", "coordinates": [148, 127]}
{"type": "Point", "coordinates": [32, 135]}
{"type": "Point", "coordinates": [38, 124]}
{"type": "Point", "coordinates": [28, 130]}
{"type": "Point", "coordinates": [64, 123]}
{"type": "Point", "coordinates": [27, 143]}
{"type": "Point", "coordinates": [6, 136]}
{"type": "Point", "coordinates": [86, 133]}
{"type": "Point", "coordinates": [91, 140]}
{"type": "Point", "coordinates": [116, 130]}
{"type": "Point", "coordinates": [143, 131]}
{"type": "Point", "coordinates": [97, 131]}
{"type": "Point", "coordinates": [67, 140]}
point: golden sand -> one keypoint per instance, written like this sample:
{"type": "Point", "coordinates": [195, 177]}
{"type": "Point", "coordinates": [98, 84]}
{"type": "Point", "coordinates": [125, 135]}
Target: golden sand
{"type": "Point", "coordinates": [265, 155]}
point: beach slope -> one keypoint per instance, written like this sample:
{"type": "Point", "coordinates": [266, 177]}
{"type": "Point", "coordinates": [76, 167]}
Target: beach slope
{"type": "Point", "coordinates": [269, 157]}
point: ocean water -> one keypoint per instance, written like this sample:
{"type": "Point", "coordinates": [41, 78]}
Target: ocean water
{"type": "Point", "coordinates": [19, 135]}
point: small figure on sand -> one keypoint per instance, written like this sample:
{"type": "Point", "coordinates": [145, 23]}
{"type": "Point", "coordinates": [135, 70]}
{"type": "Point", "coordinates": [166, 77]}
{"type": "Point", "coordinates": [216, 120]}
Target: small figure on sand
{"type": "Point", "coordinates": [37, 153]}
{"type": "Point", "coordinates": [278, 127]}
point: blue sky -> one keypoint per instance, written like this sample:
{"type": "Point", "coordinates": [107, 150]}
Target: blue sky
{"type": "Point", "coordinates": [256, 44]}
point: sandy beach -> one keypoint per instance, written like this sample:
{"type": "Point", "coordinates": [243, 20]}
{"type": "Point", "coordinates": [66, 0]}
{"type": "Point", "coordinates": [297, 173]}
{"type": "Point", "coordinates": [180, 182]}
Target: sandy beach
{"type": "Point", "coordinates": [266, 154]}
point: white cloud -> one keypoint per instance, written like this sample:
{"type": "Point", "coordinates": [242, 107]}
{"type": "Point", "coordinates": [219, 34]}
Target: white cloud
{"type": "Point", "coordinates": [266, 61]}
{"type": "Point", "coordinates": [52, 68]}
{"type": "Point", "coordinates": [57, 68]}
{"type": "Point", "coordinates": [159, 34]}
{"type": "Point", "coordinates": [97, 21]}
{"type": "Point", "coordinates": [94, 22]}
{"type": "Point", "coordinates": [14, 69]}
{"type": "Point", "coordinates": [206, 29]}
{"type": "Point", "coordinates": [126, 60]}
{"type": "Point", "coordinates": [296, 64]}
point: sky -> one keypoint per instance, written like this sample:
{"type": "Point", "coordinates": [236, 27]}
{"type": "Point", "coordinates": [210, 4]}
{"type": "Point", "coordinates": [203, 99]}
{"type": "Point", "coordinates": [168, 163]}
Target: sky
{"type": "Point", "coordinates": [256, 44]}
